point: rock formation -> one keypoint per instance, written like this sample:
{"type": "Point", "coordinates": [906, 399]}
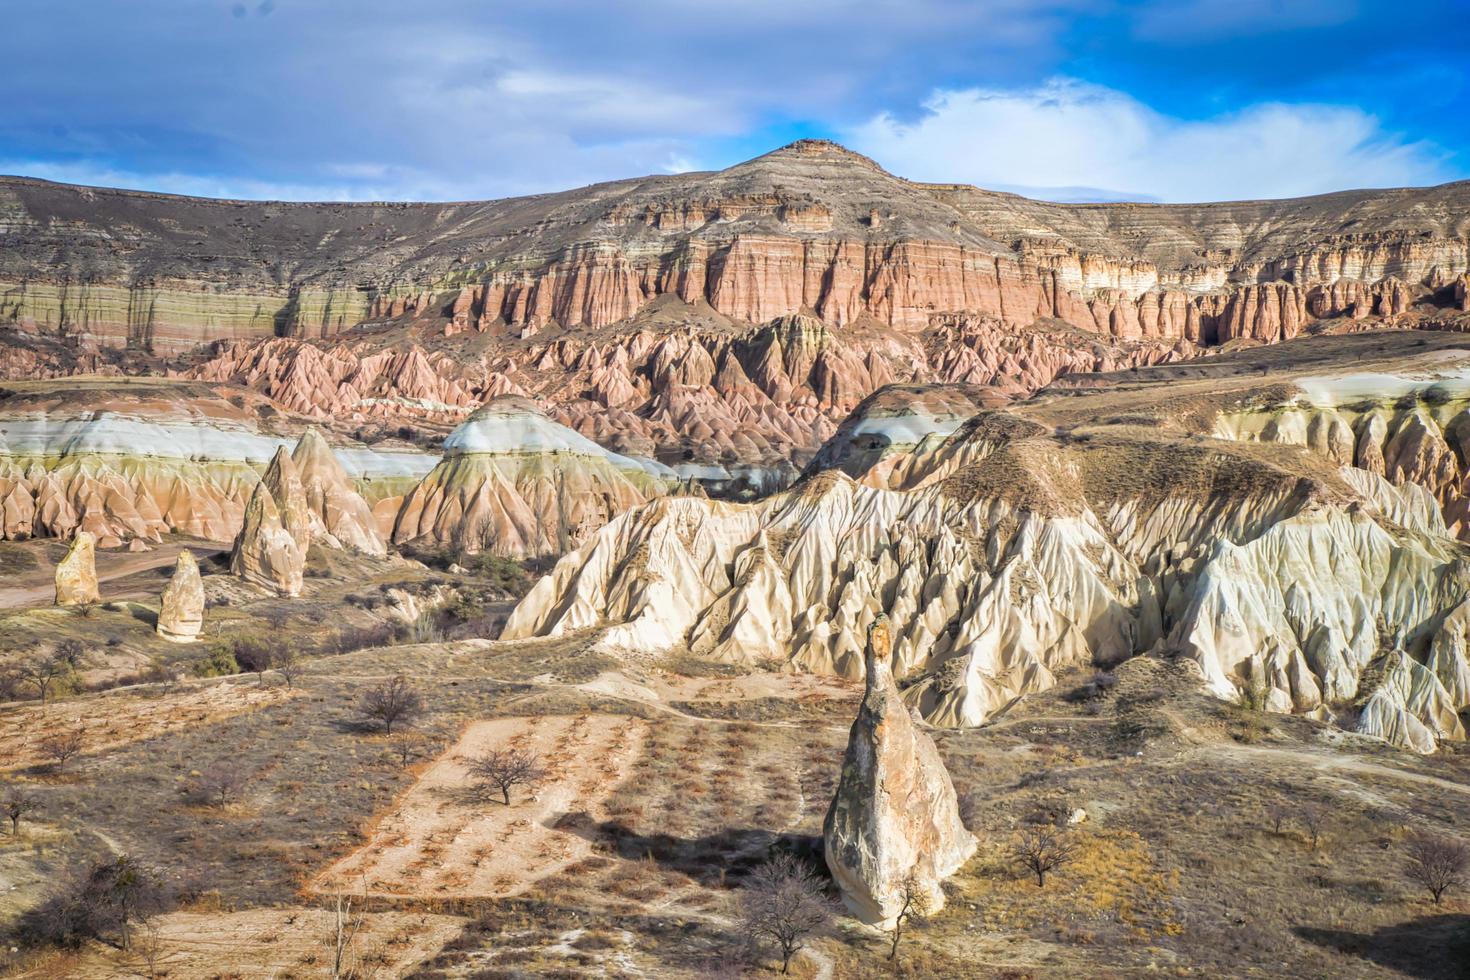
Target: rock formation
{"type": "Point", "coordinates": [181, 610]}
{"type": "Point", "coordinates": [894, 816]}
{"type": "Point", "coordinates": [285, 488]}
{"type": "Point", "coordinates": [76, 574]}
{"type": "Point", "coordinates": [1101, 520]}
{"type": "Point", "coordinates": [134, 459]}
{"type": "Point", "coordinates": [265, 552]}
{"type": "Point", "coordinates": [514, 483]}
{"type": "Point", "coordinates": [337, 513]}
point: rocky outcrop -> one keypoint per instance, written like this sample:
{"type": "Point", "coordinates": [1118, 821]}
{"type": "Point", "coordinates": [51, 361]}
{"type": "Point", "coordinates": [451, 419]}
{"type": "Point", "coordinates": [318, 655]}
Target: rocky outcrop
{"type": "Point", "coordinates": [894, 822]}
{"type": "Point", "coordinates": [337, 514]}
{"type": "Point", "coordinates": [265, 552]}
{"type": "Point", "coordinates": [76, 574]}
{"type": "Point", "coordinates": [132, 460]}
{"type": "Point", "coordinates": [797, 229]}
{"type": "Point", "coordinates": [514, 483]}
{"type": "Point", "coordinates": [181, 609]}
{"type": "Point", "coordinates": [1076, 528]}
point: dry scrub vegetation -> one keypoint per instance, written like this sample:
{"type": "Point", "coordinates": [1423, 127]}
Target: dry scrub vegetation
{"type": "Point", "coordinates": [1190, 841]}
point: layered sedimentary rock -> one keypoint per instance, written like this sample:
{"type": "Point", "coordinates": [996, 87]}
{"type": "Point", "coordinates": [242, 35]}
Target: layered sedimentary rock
{"type": "Point", "coordinates": [1092, 523]}
{"type": "Point", "coordinates": [133, 459]}
{"type": "Point", "coordinates": [338, 515]}
{"type": "Point", "coordinates": [894, 823]}
{"type": "Point", "coordinates": [181, 608]}
{"type": "Point", "coordinates": [265, 552]}
{"type": "Point", "coordinates": [809, 226]}
{"type": "Point", "coordinates": [514, 483]}
{"type": "Point", "coordinates": [76, 574]}
{"type": "Point", "coordinates": [730, 406]}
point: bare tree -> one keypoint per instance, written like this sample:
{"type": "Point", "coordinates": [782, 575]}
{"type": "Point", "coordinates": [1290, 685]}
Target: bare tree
{"type": "Point", "coordinates": [344, 938]}
{"type": "Point", "coordinates": [408, 746]}
{"type": "Point", "coordinates": [915, 907]}
{"type": "Point", "coordinates": [1437, 862]}
{"type": "Point", "coordinates": [505, 769]}
{"type": "Point", "coordinates": [255, 654]}
{"type": "Point", "coordinates": [289, 666]}
{"type": "Point", "coordinates": [395, 700]}
{"type": "Point", "coordinates": [16, 802]}
{"type": "Point", "coordinates": [221, 784]}
{"type": "Point", "coordinates": [783, 902]}
{"type": "Point", "coordinates": [111, 897]}
{"type": "Point", "coordinates": [62, 747]}
{"type": "Point", "coordinates": [1041, 850]}
{"type": "Point", "coordinates": [43, 674]}
{"type": "Point", "coordinates": [1313, 819]}
{"type": "Point", "coordinates": [72, 651]}
{"type": "Point", "coordinates": [1277, 814]}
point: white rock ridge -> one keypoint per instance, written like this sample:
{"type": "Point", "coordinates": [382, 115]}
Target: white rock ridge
{"type": "Point", "coordinates": [1022, 552]}
{"type": "Point", "coordinates": [894, 821]}
{"type": "Point", "coordinates": [515, 483]}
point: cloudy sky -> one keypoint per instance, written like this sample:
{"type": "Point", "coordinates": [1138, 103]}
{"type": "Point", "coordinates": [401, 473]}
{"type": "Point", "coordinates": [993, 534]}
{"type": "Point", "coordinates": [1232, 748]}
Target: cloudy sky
{"type": "Point", "coordinates": [456, 99]}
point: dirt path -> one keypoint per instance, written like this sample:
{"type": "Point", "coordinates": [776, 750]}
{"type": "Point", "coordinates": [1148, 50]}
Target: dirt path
{"type": "Point", "coordinates": [1324, 760]}
{"type": "Point", "coordinates": [38, 588]}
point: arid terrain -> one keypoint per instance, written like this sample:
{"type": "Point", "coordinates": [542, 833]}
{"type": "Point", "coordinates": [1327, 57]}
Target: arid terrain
{"type": "Point", "coordinates": [520, 588]}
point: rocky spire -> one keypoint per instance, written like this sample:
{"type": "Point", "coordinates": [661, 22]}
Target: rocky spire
{"type": "Point", "coordinates": [181, 613]}
{"type": "Point", "coordinates": [265, 553]}
{"type": "Point", "coordinates": [76, 574]}
{"type": "Point", "coordinates": [895, 811]}
{"type": "Point", "coordinates": [290, 497]}
{"type": "Point", "coordinates": [335, 509]}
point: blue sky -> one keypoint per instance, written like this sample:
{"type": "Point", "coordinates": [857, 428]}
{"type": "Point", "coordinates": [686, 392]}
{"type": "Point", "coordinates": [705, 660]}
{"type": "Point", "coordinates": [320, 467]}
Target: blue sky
{"type": "Point", "coordinates": [440, 100]}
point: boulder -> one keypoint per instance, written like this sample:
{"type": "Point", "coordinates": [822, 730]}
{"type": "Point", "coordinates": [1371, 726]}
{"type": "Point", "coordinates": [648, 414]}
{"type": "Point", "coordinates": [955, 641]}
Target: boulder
{"type": "Point", "coordinates": [895, 813]}
{"type": "Point", "coordinates": [76, 574]}
{"type": "Point", "coordinates": [181, 613]}
{"type": "Point", "coordinates": [265, 552]}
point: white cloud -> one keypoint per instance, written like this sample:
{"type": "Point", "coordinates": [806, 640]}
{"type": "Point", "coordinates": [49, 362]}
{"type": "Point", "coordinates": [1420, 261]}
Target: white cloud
{"type": "Point", "coordinates": [1067, 134]}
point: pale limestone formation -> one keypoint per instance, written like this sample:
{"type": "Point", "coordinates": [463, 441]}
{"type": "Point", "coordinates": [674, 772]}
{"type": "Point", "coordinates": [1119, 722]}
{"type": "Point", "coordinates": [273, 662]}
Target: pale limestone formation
{"type": "Point", "coordinates": [265, 552]}
{"type": "Point", "coordinates": [338, 515]}
{"type": "Point", "coordinates": [76, 574]}
{"type": "Point", "coordinates": [181, 610]}
{"type": "Point", "coordinates": [895, 816]}
{"type": "Point", "coordinates": [284, 484]}
{"type": "Point", "coordinates": [1017, 546]}
{"type": "Point", "coordinates": [514, 483]}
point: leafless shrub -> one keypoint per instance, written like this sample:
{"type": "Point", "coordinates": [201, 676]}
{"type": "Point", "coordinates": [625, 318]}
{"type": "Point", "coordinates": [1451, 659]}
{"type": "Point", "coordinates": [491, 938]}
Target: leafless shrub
{"type": "Point", "coordinates": [220, 785]}
{"type": "Point", "coordinates": [393, 701]}
{"type": "Point", "coordinates": [783, 902]}
{"type": "Point", "coordinates": [110, 898]}
{"type": "Point", "coordinates": [1313, 819]}
{"type": "Point", "coordinates": [1437, 862]}
{"type": "Point", "coordinates": [1041, 850]}
{"type": "Point", "coordinates": [1277, 814]}
{"type": "Point", "coordinates": [505, 769]}
{"type": "Point", "coordinates": [43, 674]}
{"type": "Point", "coordinates": [71, 651]}
{"type": "Point", "coordinates": [62, 747]}
{"type": "Point", "coordinates": [256, 654]}
{"type": "Point", "coordinates": [289, 666]}
{"type": "Point", "coordinates": [16, 802]}
{"type": "Point", "coordinates": [915, 908]}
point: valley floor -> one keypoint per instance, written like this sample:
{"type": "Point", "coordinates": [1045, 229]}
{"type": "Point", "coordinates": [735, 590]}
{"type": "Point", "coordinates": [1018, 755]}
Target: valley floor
{"type": "Point", "coordinates": [667, 784]}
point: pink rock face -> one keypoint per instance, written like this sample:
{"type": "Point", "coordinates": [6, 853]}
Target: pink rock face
{"type": "Point", "coordinates": [265, 552]}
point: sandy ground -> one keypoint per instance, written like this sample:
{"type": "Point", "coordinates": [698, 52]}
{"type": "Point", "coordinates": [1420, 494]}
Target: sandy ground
{"type": "Point", "coordinates": [38, 587]}
{"type": "Point", "coordinates": [265, 943]}
{"type": "Point", "coordinates": [443, 840]}
{"type": "Point", "coordinates": [118, 717]}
